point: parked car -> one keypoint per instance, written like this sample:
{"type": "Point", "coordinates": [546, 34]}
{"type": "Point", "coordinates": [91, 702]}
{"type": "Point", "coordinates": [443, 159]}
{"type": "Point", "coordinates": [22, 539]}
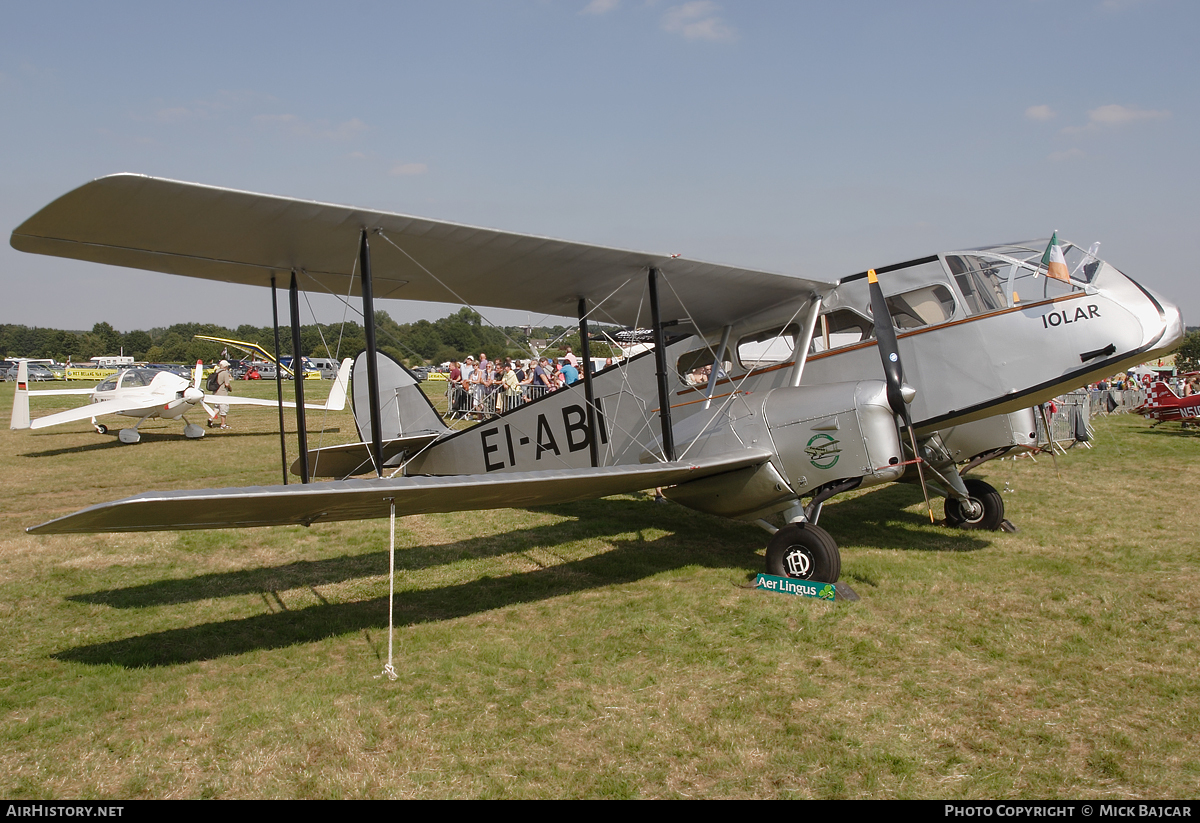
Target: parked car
{"type": "Point", "coordinates": [173, 368]}
{"type": "Point", "coordinates": [37, 373]}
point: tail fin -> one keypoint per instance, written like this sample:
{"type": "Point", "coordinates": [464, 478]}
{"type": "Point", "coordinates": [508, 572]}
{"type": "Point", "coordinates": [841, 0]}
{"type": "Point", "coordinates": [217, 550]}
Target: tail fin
{"type": "Point", "coordinates": [404, 411]}
{"type": "Point", "coordinates": [341, 383]}
{"type": "Point", "coordinates": [1160, 395]}
{"type": "Point", "coordinates": [20, 413]}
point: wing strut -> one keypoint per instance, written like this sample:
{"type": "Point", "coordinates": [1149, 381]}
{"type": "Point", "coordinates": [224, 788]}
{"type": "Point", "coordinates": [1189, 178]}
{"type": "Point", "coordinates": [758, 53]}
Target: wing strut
{"type": "Point", "coordinates": [279, 379]}
{"type": "Point", "coordinates": [589, 394]}
{"type": "Point", "coordinates": [368, 301]}
{"type": "Point", "coordinates": [804, 342]}
{"type": "Point", "coordinates": [298, 378]}
{"type": "Point", "coordinates": [660, 360]}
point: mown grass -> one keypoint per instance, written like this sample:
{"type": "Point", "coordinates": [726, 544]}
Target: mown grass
{"type": "Point", "coordinates": [604, 649]}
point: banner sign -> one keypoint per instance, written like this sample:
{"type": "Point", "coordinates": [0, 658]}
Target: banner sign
{"type": "Point", "coordinates": [800, 588]}
{"type": "Point", "coordinates": [91, 375]}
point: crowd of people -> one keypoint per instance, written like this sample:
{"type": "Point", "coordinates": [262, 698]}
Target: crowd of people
{"type": "Point", "coordinates": [483, 387]}
{"type": "Point", "coordinates": [1184, 385]}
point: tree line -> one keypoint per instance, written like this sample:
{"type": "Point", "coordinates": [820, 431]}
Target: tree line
{"type": "Point", "coordinates": [420, 343]}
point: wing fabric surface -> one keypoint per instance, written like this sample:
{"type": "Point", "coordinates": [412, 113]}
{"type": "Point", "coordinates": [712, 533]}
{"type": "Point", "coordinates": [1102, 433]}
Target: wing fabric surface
{"type": "Point", "coordinates": [363, 499]}
{"type": "Point", "coordinates": [241, 237]}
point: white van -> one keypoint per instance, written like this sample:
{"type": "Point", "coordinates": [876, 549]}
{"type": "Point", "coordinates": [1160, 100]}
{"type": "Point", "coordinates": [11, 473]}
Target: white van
{"type": "Point", "coordinates": [327, 367]}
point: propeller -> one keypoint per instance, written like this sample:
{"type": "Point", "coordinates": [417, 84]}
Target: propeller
{"type": "Point", "coordinates": [898, 394]}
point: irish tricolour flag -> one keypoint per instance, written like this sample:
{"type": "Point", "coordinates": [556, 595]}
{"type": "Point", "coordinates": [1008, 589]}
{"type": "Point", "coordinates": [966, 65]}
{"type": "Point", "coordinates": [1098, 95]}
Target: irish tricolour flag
{"type": "Point", "coordinates": [1053, 260]}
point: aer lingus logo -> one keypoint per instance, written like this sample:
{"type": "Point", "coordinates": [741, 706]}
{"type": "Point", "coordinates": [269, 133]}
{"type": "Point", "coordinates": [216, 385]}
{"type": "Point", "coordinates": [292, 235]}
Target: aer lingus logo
{"type": "Point", "coordinates": [823, 451]}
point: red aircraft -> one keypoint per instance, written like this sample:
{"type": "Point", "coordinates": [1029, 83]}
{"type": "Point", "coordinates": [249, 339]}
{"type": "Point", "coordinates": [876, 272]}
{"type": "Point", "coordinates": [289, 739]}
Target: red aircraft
{"type": "Point", "coordinates": [1163, 405]}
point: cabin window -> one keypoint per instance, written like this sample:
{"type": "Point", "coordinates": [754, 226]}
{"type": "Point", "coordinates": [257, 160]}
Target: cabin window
{"type": "Point", "coordinates": [926, 306]}
{"type": "Point", "coordinates": [1020, 271]}
{"type": "Point", "coordinates": [841, 328]}
{"type": "Point", "coordinates": [766, 348]}
{"type": "Point", "coordinates": [132, 379]}
{"type": "Point", "coordinates": [108, 385]}
{"type": "Point", "coordinates": [695, 367]}
{"type": "Point", "coordinates": [980, 281]}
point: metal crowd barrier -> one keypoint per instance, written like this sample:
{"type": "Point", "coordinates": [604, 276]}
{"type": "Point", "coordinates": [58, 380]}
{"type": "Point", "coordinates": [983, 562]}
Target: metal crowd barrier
{"type": "Point", "coordinates": [1116, 401]}
{"type": "Point", "coordinates": [486, 401]}
{"type": "Point", "coordinates": [1069, 422]}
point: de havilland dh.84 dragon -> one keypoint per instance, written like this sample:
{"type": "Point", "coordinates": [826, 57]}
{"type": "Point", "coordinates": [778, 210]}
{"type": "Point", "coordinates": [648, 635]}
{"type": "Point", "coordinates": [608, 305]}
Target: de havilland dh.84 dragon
{"type": "Point", "coordinates": [762, 390]}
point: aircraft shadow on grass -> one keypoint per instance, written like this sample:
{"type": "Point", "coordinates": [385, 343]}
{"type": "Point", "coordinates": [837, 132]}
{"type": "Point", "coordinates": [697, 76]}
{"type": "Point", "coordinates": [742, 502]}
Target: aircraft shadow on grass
{"type": "Point", "coordinates": [1167, 430]}
{"type": "Point", "coordinates": [884, 518]}
{"type": "Point", "coordinates": [110, 440]}
{"type": "Point", "coordinates": [630, 560]}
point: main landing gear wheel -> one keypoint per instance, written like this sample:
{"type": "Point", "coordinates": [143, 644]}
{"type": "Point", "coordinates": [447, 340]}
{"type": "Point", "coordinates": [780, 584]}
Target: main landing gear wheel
{"type": "Point", "coordinates": [984, 510]}
{"type": "Point", "coordinates": [805, 552]}
{"type": "Point", "coordinates": [101, 428]}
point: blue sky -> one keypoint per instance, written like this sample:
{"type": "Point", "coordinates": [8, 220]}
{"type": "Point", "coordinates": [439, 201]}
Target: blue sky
{"type": "Point", "coordinates": [814, 138]}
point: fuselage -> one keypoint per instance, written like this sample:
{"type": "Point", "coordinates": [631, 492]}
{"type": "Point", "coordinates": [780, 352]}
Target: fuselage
{"type": "Point", "coordinates": [981, 333]}
{"type": "Point", "coordinates": [1164, 405]}
{"type": "Point", "coordinates": [985, 332]}
{"type": "Point", "coordinates": [155, 392]}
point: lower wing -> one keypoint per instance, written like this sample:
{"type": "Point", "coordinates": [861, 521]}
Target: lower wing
{"type": "Point", "coordinates": [366, 499]}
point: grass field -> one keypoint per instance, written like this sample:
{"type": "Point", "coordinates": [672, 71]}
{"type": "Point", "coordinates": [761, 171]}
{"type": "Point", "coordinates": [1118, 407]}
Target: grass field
{"type": "Point", "coordinates": [601, 649]}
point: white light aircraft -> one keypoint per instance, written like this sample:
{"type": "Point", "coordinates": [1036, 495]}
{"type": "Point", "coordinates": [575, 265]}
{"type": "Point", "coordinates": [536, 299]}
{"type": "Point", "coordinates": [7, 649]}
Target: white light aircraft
{"type": "Point", "coordinates": [147, 394]}
{"type": "Point", "coordinates": [762, 390]}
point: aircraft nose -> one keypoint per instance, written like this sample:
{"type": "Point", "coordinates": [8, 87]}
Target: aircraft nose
{"type": "Point", "coordinates": [1174, 321]}
{"type": "Point", "coordinates": [193, 395]}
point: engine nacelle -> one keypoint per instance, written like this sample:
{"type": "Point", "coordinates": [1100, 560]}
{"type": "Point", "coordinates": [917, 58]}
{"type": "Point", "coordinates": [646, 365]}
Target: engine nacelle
{"type": "Point", "coordinates": [834, 432]}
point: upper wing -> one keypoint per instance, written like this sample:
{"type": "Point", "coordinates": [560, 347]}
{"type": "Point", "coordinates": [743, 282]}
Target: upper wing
{"type": "Point", "coordinates": [362, 499]}
{"type": "Point", "coordinates": [242, 237]}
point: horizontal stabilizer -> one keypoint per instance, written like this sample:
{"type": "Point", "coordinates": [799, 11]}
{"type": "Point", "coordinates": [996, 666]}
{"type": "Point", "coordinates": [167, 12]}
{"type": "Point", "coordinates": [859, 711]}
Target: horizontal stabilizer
{"type": "Point", "coordinates": [363, 499]}
{"type": "Point", "coordinates": [355, 458]}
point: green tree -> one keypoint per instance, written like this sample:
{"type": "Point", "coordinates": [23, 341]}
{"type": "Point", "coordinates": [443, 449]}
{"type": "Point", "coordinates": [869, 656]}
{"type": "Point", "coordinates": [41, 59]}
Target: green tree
{"type": "Point", "coordinates": [1187, 356]}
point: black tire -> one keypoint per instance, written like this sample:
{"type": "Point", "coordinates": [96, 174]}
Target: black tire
{"type": "Point", "coordinates": [101, 428]}
{"type": "Point", "coordinates": [985, 499]}
{"type": "Point", "coordinates": [805, 552]}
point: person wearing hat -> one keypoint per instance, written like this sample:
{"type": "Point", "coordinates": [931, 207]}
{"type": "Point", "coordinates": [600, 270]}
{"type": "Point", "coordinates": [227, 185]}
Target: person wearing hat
{"type": "Point", "coordinates": [224, 388]}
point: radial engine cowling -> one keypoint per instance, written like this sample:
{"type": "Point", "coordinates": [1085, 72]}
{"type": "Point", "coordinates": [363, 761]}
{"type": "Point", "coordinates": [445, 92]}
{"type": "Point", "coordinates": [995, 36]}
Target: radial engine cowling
{"type": "Point", "coordinates": [834, 432]}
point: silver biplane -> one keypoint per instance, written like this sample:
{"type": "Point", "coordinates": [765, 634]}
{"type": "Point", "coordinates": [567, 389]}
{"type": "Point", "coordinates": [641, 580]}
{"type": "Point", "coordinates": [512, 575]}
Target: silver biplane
{"type": "Point", "coordinates": [149, 394]}
{"type": "Point", "coordinates": [761, 391]}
